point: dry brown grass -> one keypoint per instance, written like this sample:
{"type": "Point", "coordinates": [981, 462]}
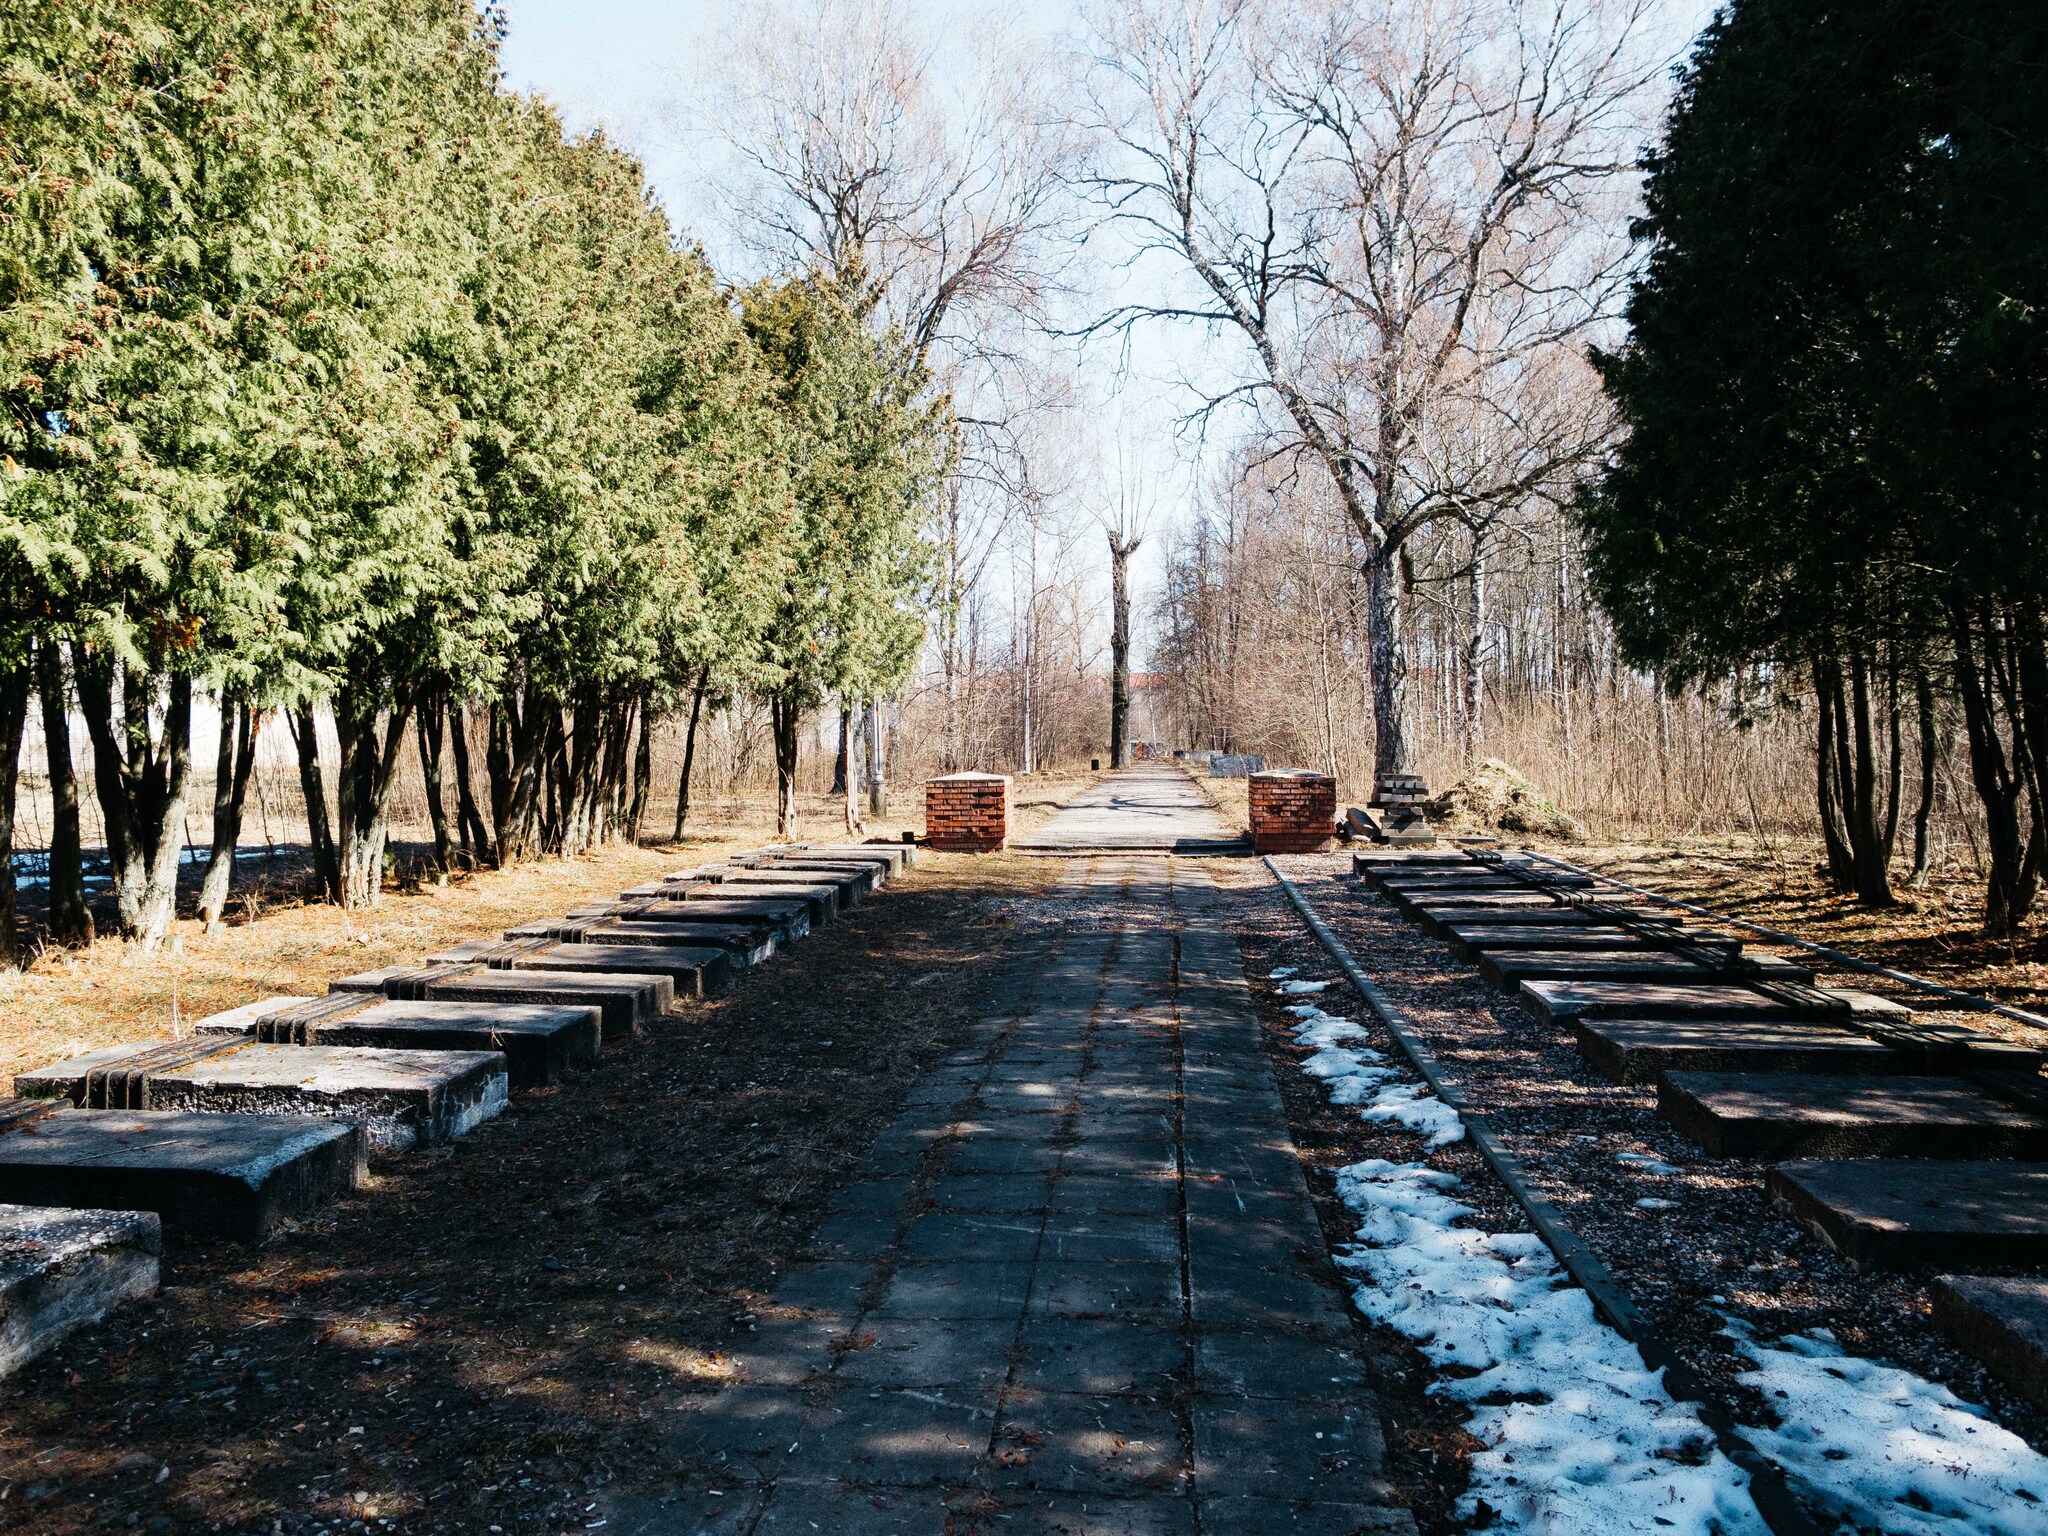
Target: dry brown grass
{"type": "Point", "coordinates": [1933, 932]}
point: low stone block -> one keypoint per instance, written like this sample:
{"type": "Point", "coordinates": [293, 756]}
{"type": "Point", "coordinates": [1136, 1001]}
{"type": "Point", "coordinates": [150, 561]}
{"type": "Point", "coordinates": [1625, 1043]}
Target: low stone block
{"type": "Point", "coordinates": [1509, 968]}
{"type": "Point", "coordinates": [1904, 1213]}
{"type": "Point", "coordinates": [1562, 1001]}
{"type": "Point", "coordinates": [743, 946]}
{"type": "Point", "coordinates": [848, 886]}
{"type": "Point", "coordinates": [232, 1176]}
{"type": "Point", "coordinates": [1766, 1114]}
{"type": "Point", "coordinates": [1642, 1050]}
{"type": "Point", "coordinates": [537, 1039]}
{"type": "Point", "coordinates": [1468, 941]}
{"type": "Point", "coordinates": [61, 1270]}
{"type": "Point", "coordinates": [1439, 917]}
{"type": "Point", "coordinates": [2003, 1321]}
{"type": "Point", "coordinates": [779, 918]}
{"type": "Point", "coordinates": [400, 1098]}
{"type": "Point", "coordinates": [624, 1004]}
{"type": "Point", "coordinates": [691, 972]}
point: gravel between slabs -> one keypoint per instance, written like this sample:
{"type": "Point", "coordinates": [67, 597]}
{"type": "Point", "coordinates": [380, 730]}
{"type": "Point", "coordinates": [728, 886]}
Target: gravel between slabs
{"type": "Point", "coordinates": [1717, 1248]}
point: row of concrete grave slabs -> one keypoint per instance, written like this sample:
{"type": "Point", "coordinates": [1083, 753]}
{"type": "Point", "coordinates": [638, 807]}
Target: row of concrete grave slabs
{"type": "Point", "coordinates": [1900, 1140]}
{"type": "Point", "coordinates": [269, 1109]}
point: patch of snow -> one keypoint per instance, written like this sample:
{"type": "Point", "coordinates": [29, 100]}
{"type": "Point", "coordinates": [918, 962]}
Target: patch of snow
{"type": "Point", "coordinates": [1579, 1436]}
{"type": "Point", "coordinates": [1884, 1448]}
{"type": "Point", "coordinates": [1413, 1107]}
{"type": "Point", "coordinates": [1303, 988]}
{"type": "Point", "coordinates": [1282, 972]}
{"type": "Point", "coordinates": [1642, 1162]}
{"type": "Point", "coordinates": [1652, 1203]}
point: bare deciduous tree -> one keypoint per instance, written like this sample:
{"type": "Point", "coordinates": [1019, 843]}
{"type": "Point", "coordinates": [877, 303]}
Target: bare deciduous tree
{"type": "Point", "coordinates": [1398, 205]}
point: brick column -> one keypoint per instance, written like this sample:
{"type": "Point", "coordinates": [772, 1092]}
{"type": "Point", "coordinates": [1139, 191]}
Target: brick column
{"type": "Point", "coordinates": [967, 812]}
{"type": "Point", "coordinates": [1293, 811]}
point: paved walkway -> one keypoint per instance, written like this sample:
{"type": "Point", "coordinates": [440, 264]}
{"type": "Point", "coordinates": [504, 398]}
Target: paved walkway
{"type": "Point", "coordinates": [1148, 808]}
{"type": "Point", "coordinates": [1079, 1289]}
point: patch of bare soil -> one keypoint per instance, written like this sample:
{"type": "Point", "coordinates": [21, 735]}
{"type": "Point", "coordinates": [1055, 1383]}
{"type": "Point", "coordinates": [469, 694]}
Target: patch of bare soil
{"type": "Point", "coordinates": [1691, 1246]}
{"type": "Point", "coordinates": [481, 1340]}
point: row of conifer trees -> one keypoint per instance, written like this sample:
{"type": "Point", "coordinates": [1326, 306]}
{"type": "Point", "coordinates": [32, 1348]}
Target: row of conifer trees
{"type": "Point", "coordinates": [339, 380]}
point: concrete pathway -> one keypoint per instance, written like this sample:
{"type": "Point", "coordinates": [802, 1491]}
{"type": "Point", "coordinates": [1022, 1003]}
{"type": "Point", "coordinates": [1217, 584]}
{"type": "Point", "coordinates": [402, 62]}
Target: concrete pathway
{"type": "Point", "coordinates": [1151, 807]}
{"type": "Point", "coordinates": [1079, 1287]}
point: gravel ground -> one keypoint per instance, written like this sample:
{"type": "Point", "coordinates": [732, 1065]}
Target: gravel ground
{"type": "Point", "coordinates": [1718, 1248]}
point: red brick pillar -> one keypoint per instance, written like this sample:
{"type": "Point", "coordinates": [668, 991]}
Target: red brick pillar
{"type": "Point", "coordinates": [1293, 811]}
{"type": "Point", "coordinates": [967, 812]}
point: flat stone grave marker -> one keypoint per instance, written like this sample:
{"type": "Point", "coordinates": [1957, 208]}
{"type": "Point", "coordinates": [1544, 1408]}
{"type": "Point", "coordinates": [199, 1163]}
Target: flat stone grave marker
{"type": "Point", "coordinates": [692, 972]}
{"type": "Point", "coordinates": [1768, 1114]}
{"type": "Point", "coordinates": [60, 1270]}
{"type": "Point", "coordinates": [400, 1098]}
{"type": "Point", "coordinates": [2003, 1321]}
{"type": "Point", "coordinates": [624, 1004]}
{"type": "Point", "coordinates": [1641, 1050]}
{"type": "Point", "coordinates": [232, 1176]}
{"type": "Point", "coordinates": [782, 921]}
{"type": "Point", "coordinates": [470, 1010]}
{"type": "Point", "coordinates": [1908, 1213]}
{"type": "Point", "coordinates": [847, 889]}
{"type": "Point", "coordinates": [821, 902]}
{"type": "Point", "coordinates": [1561, 1001]}
{"type": "Point", "coordinates": [866, 877]}
{"type": "Point", "coordinates": [1509, 968]}
{"type": "Point", "coordinates": [1469, 940]}
{"type": "Point", "coordinates": [743, 945]}
{"type": "Point", "coordinates": [1438, 918]}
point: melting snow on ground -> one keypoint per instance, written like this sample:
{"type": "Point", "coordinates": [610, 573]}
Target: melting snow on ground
{"type": "Point", "coordinates": [1873, 1442]}
{"type": "Point", "coordinates": [1579, 1436]}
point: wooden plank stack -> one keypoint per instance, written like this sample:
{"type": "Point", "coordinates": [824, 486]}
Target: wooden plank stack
{"type": "Point", "coordinates": [967, 812]}
{"type": "Point", "coordinates": [1293, 810]}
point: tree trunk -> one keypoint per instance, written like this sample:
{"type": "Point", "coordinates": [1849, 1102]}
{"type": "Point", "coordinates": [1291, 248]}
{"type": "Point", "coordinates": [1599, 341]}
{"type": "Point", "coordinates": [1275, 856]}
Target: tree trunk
{"type": "Point", "coordinates": [319, 832]}
{"type": "Point", "coordinates": [467, 815]}
{"type": "Point", "coordinates": [369, 764]}
{"type": "Point", "coordinates": [690, 750]}
{"type": "Point", "coordinates": [643, 773]}
{"type": "Point", "coordinates": [2008, 892]}
{"type": "Point", "coordinates": [1120, 552]}
{"type": "Point", "coordinates": [849, 788]}
{"type": "Point", "coordinates": [1471, 726]}
{"type": "Point", "coordinates": [232, 764]}
{"type": "Point", "coordinates": [784, 721]}
{"type": "Point", "coordinates": [14, 686]}
{"type": "Point", "coordinates": [1387, 663]}
{"type": "Point", "coordinates": [142, 773]}
{"type": "Point", "coordinates": [841, 761]}
{"type": "Point", "coordinates": [70, 918]}
{"type": "Point", "coordinates": [1869, 837]}
{"type": "Point", "coordinates": [878, 782]}
{"type": "Point", "coordinates": [1923, 813]}
{"type": "Point", "coordinates": [432, 720]}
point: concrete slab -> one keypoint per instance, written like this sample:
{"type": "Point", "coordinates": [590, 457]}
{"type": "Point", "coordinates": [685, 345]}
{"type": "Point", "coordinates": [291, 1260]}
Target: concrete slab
{"type": "Point", "coordinates": [624, 1004]}
{"type": "Point", "coordinates": [1509, 968]}
{"type": "Point", "coordinates": [1770, 1114]}
{"type": "Point", "coordinates": [692, 972]}
{"type": "Point", "coordinates": [1905, 1213]}
{"type": "Point", "coordinates": [60, 1270]}
{"type": "Point", "coordinates": [1469, 940]}
{"type": "Point", "coordinates": [1525, 912]}
{"type": "Point", "coordinates": [783, 921]}
{"type": "Point", "coordinates": [1641, 1050]}
{"type": "Point", "coordinates": [865, 875]}
{"type": "Point", "coordinates": [538, 1043]}
{"type": "Point", "coordinates": [821, 903]}
{"type": "Point", "coordinates": [1561, 1001]}
{"type": "Point", "coordinates": [401, 1098]}
{"type": "Point", "coordinates": [848, 887]}
{"type": "Point", "coordinates": [232, 1176]}
{"type": "Point", "coordinates": [743, 945]}
{"type": "Point", "coordinates": [2003, 1321]}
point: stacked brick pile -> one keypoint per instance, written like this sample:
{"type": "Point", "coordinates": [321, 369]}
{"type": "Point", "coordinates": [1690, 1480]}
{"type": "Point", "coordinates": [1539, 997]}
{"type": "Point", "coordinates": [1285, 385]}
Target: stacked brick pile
{"type": "Point", "coordinates": [1293, 811]}
{"type": "Point", "coordinates": [967, 812]}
